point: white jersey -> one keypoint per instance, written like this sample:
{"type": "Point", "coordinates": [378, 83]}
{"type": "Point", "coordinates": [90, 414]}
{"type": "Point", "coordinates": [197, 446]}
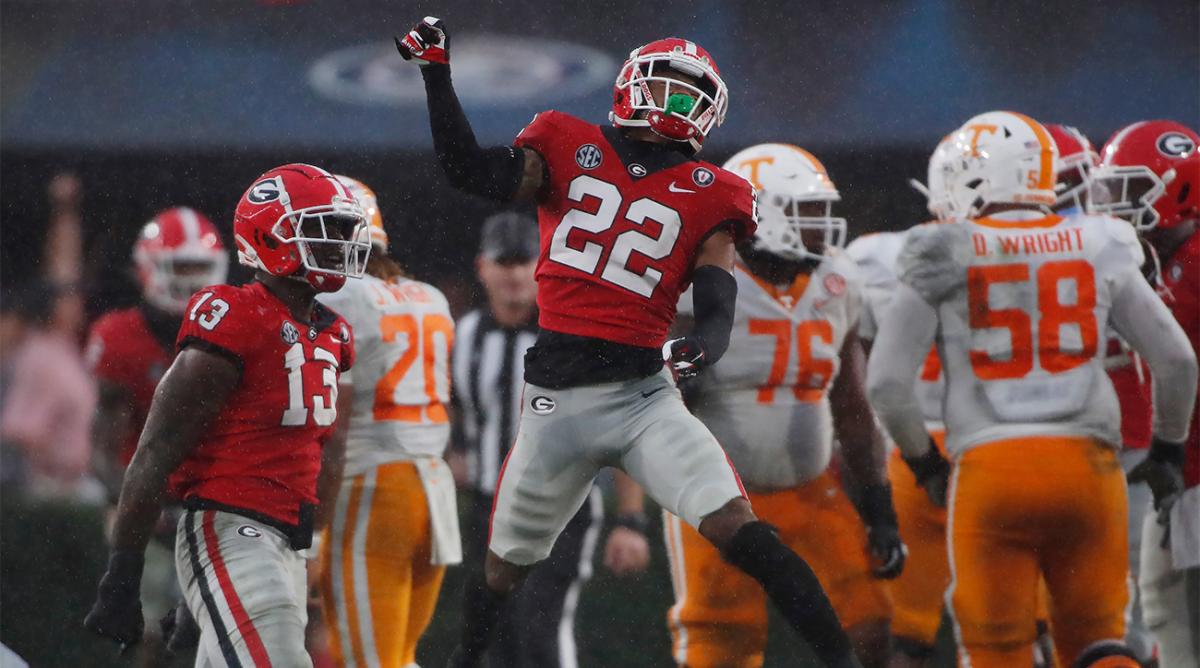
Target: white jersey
{"type": "Point", "coordinates": [1023, 310]}
{"type": "Point", "coordinates": [766, 400]}
{"type": "Point", "coordinates": [875, 255]}
{"type": "Point", "coordinates": [402, 337]}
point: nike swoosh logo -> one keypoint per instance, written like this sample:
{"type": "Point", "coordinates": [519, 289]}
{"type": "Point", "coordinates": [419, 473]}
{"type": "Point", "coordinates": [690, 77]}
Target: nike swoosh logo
{"type": "Point", "coordinates": [646, 395]}
{"type": "Point", "coordinates": [676, 189]}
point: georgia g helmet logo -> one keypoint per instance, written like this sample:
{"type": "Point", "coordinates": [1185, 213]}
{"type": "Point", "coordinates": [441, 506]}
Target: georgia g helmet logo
{"type": "Point", "coordinates": [267, 190]}
{"type": "Point", "coordinates": [1175, 145]}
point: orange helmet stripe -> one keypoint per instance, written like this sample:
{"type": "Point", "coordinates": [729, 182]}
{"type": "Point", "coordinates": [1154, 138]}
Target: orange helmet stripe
{"type": "Point", "coordinates": [1046, 178]}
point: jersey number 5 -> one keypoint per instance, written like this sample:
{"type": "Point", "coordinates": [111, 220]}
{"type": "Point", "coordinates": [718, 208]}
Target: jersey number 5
{"type": "Point", "coordinates": [616, 269]}
{"type": "Point", "coordinates": [1053, 315]}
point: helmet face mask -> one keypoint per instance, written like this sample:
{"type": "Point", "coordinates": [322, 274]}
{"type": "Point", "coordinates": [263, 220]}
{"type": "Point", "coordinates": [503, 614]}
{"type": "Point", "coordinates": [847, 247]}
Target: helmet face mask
{"type": "Point", "coordinates": [1129, 193]}
{"type": "Point", "coordinates": [788, 229]}
{"type": "Point", "coordinates": [684, 111]}
{"type": "Point", "coordinates": [1077, 159]}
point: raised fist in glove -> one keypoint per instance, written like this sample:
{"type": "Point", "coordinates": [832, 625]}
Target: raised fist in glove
{"type": "Point", "coordinates": [1162, 470]}
{"type": "Point", "coordinates": [428, 43]}
{"type": "Point", "coordinates": [888, 551]}
{"type": "Point", "coordinates": [117, 613]}
{"type": "Point", "coordinates": [685, 356]}
{"type": "Point", "coordinates": [933, 474]}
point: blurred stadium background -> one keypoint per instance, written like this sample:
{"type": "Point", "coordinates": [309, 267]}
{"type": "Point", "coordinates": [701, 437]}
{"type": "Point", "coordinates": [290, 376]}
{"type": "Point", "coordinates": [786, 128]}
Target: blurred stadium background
{"type": "Point", "coordinates": [154, 104]}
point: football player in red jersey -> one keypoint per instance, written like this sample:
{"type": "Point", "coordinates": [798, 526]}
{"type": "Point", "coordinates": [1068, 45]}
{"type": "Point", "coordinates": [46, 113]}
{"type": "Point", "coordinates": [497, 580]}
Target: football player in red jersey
{"type": "Point", "coordinates": [240, 430]}
{"type": "Point", "coordinates": [627, 217]}
{"type": "Point", "coordinates": [1150, 173]}
{"type": "Point", "coordinates": [177, 253]}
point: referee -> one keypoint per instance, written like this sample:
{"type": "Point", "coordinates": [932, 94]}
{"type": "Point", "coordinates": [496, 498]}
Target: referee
{"type": "Point", "coordinates": [537, 626]}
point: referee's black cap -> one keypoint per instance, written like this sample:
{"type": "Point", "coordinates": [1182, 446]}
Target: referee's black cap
{"type": "Point", "coordinates": [509, 237]}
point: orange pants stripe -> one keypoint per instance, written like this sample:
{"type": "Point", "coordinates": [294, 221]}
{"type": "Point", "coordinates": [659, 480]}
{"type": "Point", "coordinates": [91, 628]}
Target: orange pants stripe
{"type": "Point", "coordinates": [720, 614]}
{"type": "Point", "coordinates": [1032, 508]}
{"type": "Point", "coordinates": [378, 587]}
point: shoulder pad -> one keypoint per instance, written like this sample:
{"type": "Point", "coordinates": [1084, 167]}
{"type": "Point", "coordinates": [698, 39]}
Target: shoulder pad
{"type": "Point", "coordinates": [933, 259]}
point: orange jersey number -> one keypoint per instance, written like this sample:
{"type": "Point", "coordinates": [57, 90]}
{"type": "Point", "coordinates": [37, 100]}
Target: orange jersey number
{"type": "Point", "coordinates": [423, 342]}
{"type": "Point", "coordinates": [814, 373]}
{"type": "Point", "coordinates": [1053, 315]}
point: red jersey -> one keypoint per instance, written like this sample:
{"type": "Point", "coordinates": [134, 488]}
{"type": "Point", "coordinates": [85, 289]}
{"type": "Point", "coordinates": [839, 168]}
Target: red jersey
{"type": "Point", "coordinates": [1130, 377]}
{"type": "Point", "coordinates": [122, 350]}
{"type": "Point", "coordinates": [618, 237]}
{"type": "Point", "coordinates": [1181, 283]}
{"type": "Point", "coordinates": [262, 453]}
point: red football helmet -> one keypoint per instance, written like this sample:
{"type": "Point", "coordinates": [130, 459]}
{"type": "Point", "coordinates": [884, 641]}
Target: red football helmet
{"type": "Point", "coordinates": [300, 220]}
{"type": "Point", "coordinates": [1076, 160]}
{"type": "Point", "coordinates": [1149, 173]}
{"type": "Point", "coordinates": [673, 117]}
{"type": "Point", "coordinates": [178, 253]}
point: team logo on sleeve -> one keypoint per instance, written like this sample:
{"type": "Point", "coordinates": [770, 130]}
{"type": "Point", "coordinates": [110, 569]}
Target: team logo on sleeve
{"type": "Point", "coordinates": [835, 284]}
{"type": "Point", "coordinates": [703, 177]}
{"type": "Point", "coordinates": [289, 333]}
{"type": "Point", "coordinates": [589, 156]}
{"type": "Point", "coordinates": [542, 405]}
{"type": "Point", "coordinates": [1175, 145]}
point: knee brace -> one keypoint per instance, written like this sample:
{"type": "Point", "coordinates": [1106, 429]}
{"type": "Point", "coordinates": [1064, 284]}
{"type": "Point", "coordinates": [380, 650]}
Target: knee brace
{"type": "Point", "coordinates": [1107, 654]}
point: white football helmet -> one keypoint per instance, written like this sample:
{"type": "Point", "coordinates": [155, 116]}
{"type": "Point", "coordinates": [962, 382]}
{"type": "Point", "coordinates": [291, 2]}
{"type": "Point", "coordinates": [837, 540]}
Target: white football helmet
{"type": "Point", "coordinates": [1000, 157]}
{"type": "Point", "coordinates": [937, 197]}
{"type": "Point", "coordinates": [785, 177]}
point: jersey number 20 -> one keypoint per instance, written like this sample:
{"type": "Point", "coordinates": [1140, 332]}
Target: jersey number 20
{"type": "Point", "coordinates": [616, 270]}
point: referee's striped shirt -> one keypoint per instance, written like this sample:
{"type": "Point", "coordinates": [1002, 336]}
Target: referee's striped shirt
{"type": "Point", "coordinates": [489, 370]}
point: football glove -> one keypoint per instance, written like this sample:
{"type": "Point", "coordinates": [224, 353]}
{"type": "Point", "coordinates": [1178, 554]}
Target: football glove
{"type": "Point", "coordinates": [685, 356]}
{"type": "Point", "coordinates": [428, 43]}
{"type": "Point", "coordinates": [1162, 470]}
{"type": "Point", "coordinates": [883, 531]}
{"type": "Point", "coordinates": [933, 474]}
{"type": "Point", "coordinates": [117, 613]}
{"type": "Point", "coordinates": [180, 633]}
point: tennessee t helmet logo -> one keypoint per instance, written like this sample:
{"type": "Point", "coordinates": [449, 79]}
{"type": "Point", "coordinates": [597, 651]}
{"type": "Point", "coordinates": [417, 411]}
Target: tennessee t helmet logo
{"type": "Point", "coordinates": [976, 131]}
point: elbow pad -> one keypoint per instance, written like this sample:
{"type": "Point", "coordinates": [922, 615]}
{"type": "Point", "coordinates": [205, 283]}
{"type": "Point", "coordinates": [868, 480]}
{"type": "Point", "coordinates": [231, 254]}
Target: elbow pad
{"type": "Point", "coordinates": [714, 295]}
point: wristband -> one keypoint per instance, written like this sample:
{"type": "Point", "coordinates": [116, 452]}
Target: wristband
{"type": "Point", "coordinates": [633, 521]}
{"type": "Point", "coordinates": [1166, 452]}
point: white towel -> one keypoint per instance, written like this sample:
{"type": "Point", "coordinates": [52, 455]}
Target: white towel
{"type": "Point", "coordinates": [446, 548]}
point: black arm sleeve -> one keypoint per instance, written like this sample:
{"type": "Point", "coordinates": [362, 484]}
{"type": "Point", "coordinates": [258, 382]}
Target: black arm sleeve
{"type": "Point", "coordinates": [714, 292]}
{"type": "Point", "coordinates": [488, 172]}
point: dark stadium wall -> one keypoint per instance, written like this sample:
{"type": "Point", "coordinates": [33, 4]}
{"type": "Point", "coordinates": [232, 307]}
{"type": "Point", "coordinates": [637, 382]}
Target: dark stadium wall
{"type": "Point", "coordinates": [434, 229]}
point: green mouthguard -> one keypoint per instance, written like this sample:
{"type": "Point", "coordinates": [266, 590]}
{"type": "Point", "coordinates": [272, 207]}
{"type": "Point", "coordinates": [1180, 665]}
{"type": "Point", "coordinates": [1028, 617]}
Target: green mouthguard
{"type": "Point", "coordinates": [680, 103]}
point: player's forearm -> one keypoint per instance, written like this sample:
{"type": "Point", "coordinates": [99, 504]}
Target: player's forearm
{"type": "Point", "coordinates": [142, 496]}
{"type": "Point", "coordinates": [1145, 322]}
{"type": "Point", "coordinates": [333, 459]}
{"type": "Point", "coordinates": [907, 331]}
{"type": "Point", "coordinates": [492, 172]}
{"type": "Point", "coordinates": [863, 447]}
